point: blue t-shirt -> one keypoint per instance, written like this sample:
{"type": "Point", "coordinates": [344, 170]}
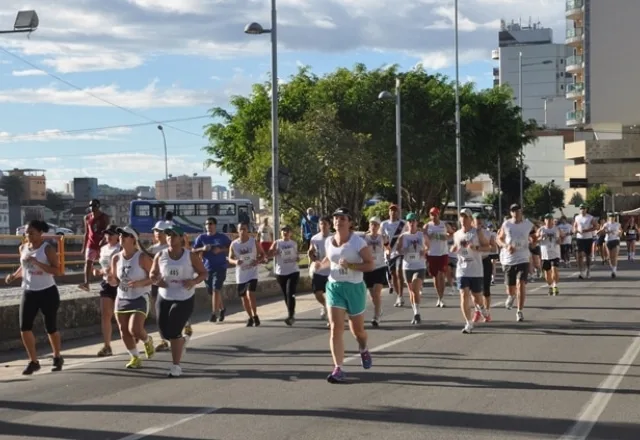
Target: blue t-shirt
{"type": "Point", "coordinates": [214, 261]}
{"type": "Point", "coordinates": [309, 228]}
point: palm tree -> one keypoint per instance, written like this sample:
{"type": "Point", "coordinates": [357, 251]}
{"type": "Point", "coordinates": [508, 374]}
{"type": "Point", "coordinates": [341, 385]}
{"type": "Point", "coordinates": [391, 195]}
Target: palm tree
{"type": "Point", "coordinates": [14, 190]}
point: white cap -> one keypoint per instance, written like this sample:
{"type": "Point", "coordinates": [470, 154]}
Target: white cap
{"type": "Point", "coordinates": [467, 212]}
{"type": "Point", "coordinates": [129, 231]}
{"type": "Point", "coordinates": [374, 219]}
{"type": "Point", "coordinates": [162, 225]}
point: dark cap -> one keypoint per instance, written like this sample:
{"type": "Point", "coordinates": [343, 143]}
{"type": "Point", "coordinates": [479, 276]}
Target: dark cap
{"type": "Point", "coordinates": [285, 228]}
{"type": "Point", "coordinates": [515, 207]}
{"type": "Point", "coordinates": [174, 230]}
{"type": "Point", "coordinates": [393, 207]}
{"type": "Point", "coordinates": [479, 215]}
{"type": "Point", "coordinates": [111, 230]}
{"type": "Point", "coordinates": [342, 212]}
{"type": "Point", "coordinates": [128, 231]}
{"type": "Point", "coordinates": [582, 206]}
{"type": "Point", "coordinates": [548, 216]}
{"type": "Point", "coordinates": [94, 202]}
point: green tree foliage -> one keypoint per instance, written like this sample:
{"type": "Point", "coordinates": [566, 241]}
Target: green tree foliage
{"type": "Point", "coordinates": [576, 199]}
{"type": "Point", "coordinates": [54, 201]}
{"type": "Point", "coordinates": [594, 199]}
{"type": "Point", "coordinates": [541, 199]}
{"type": "Point", "coordinates": [380, 209]}
{"type": "Point", "coordinates": [338, 140]}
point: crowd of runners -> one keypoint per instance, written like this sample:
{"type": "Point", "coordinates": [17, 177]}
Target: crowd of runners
{"type": "Point", "coordinates": [346, 268]}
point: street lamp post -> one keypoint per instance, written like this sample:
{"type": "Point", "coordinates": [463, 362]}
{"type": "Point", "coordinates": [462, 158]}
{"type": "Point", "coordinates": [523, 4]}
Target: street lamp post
{"type": "Point", "coordinates": [166, 163]}
{"type": "Point", "coordinates": [257, 29]}
{"type": "Point", "coordinates": [457, 92]}
{"type": "Point", "coordinates": [520, 100]}
{"type": "Point", "coordinates": [499, 189]}
{"type": "Point", "coordinates": [26, 21]}
{"type": "Point", "coordinates": [396, 96]}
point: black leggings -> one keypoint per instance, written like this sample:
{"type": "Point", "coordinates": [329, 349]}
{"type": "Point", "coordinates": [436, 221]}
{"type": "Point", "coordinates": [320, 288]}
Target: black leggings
{"type": "Point", "coordinates": [47, 301]}
{"type": "Point", "coordinates": [289, 285]}
{"type": "Point", "coordinates": [173, 316]}
{"type": "Point", "coordinates": [487, 270]}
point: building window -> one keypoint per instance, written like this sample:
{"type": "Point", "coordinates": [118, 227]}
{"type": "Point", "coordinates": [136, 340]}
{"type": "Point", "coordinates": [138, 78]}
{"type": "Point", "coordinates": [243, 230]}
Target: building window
{"type": "Point", "coordinates": [142, 211]}
{"type": "Point", "coordinates": [187, 210]}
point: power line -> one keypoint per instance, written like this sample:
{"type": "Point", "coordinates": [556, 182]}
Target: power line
{"type": "Point", "coordinates": [97, 129]}
{"type": "Point", "coordinates": [64, 81]}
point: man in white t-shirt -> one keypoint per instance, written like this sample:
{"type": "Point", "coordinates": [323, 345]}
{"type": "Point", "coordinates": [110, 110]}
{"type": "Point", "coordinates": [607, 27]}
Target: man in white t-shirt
{"type": "Point", "coordinates": [584, 226]}
{"type": "Point", "coordinates": [265, 235]}
{"type": "Point", "coordinates": [392, 229]}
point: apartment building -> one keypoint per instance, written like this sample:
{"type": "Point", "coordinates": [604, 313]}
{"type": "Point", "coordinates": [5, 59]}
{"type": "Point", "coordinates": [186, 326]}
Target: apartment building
{"type": "Point", "coordinates": [184, 188]}
{"type": "Point", "coordinates": [4, 215]}
{"type": "Point", "coordinates": [34, 183]}
{"type": "Point", "coordinates": [604, 64]}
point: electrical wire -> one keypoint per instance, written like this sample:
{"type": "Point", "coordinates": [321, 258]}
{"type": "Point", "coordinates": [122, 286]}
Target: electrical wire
{"type": "Point", "coordinates": [64, 81]}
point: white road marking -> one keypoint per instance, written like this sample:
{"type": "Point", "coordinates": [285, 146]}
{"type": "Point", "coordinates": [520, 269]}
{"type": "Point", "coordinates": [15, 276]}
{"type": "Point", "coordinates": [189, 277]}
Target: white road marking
{"type": "Point", "coordinates": [385, 346]}
{"type": "Point", "coordinates": [592, 411]}
{"type": "Point", "coordinates": [156, 429]}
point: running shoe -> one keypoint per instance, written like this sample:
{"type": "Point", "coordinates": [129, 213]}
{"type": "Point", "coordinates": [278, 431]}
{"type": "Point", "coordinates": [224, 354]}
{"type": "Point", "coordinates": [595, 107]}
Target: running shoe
{"type": "Point", "coordinates": [31, 368]}
{"type": "Point", "coordinates": [366, 360]}
{"type": "Point", "coordinates": [337, 376]}
{"type": "Point", "coordinates": [134, 363]}
{"type": "Point", "coordinates": [149, 349]}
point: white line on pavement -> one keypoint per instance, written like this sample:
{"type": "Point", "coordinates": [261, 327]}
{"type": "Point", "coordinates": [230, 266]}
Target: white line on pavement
{"type": "Point", "coordinates": [592, 411]}
{"type": "Point", "coordinates": [156, 429]}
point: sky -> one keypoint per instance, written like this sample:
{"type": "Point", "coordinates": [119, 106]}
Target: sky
{"type": "Point", "coordinates": [83, 95]}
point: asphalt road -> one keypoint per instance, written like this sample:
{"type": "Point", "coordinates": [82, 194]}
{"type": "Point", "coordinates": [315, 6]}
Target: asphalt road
{"type": "Point", "coordinates": [570, 371]}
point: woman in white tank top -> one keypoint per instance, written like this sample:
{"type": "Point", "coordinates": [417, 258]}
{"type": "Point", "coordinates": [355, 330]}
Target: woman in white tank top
{"type": "Point", "coordinates": [130, 273]}
{"type": "Point", "coordinates": [108, 293]}
{"type": "Point", "coordinates": [285, 251]}
{"type": "Point", "coordinates": [38, 265]}
{"type": "Point", "coordinates": [377, 278]}
{"type": "Point", "coordinates": [246, 254]}
{"type": "Point", "coordinates": [176, 271]}
{"type": "Point", "coordinates": [413, 246]}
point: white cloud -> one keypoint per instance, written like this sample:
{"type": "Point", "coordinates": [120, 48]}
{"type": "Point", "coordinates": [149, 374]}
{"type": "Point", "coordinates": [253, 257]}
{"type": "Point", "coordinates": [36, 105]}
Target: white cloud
{"type": "Point", "coordinates": [150, 96]}
{"type": "Point", "coordinates": [441, 59]}
{"type": "Point", "coordinates": [109, 134]}
{"type": "Point", "coordinates": [122, 35]}
{"type": "Point", "coordinates": [29, 72]}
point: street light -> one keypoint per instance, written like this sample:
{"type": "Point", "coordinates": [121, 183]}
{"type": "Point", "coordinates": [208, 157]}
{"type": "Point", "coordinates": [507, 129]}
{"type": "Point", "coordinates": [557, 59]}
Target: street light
{"type": "Point", "coordinates": [520, 66]}
{"type": "Point", "coordinates": [457, 91]}
{"type": "Point", "coordinates": [166, 163]}
{"type": "Point", "coordinates": [257, 29]}
{"type": "Point", "coordinates": [388, 96]}
{"type": "Point", "coordinates": [26, 21]}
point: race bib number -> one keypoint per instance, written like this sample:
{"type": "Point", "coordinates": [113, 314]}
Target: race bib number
{"type": "Point", "coordinates": [288, 255]}
{"type": "Point", "coordinates": [246, 262]}
{"type": "Point", "coordinates": [124, 286]}
{"type": "Point", "coordinates": [342, 271]}
{"type": "Point", "coordinates": [174, 274]}
{"type": "Point", "coordinates": [520, 244]}
{"type": "Point", "coordinates": [412, 257]}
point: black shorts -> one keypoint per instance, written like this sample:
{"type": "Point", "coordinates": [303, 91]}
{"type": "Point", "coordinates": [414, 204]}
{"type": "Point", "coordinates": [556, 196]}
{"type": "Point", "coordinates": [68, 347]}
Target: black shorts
{"type": "Point", "coordinates": [600, 240]}
{"type": "Point", "coordinates": [548, 264]}
{"type": "Point", "coordinates": [249, 286]}
{"type": "Point", "coordinates": [565, 250]}
{"type": "Point", "coordinates": [377, 276]}
{"type": "Point", "coordinates": [611, 245]}
{"type": "Point", "coordinates": [535, 251]}
{"type": "Point", "coordinates": [108, 291]}
{"type": "Point", "coordinates": [584, 245]}
{"type": "Point", "coordinates": [319, 283]}
{"type": "Point", "coordinates": [515, 273]}
{"type": "Point", "coordinates": [395, 264]}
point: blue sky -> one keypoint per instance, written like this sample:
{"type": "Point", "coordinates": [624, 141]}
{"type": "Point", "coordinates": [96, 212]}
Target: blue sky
{"type": "Point", "coordinates": [80, 97]}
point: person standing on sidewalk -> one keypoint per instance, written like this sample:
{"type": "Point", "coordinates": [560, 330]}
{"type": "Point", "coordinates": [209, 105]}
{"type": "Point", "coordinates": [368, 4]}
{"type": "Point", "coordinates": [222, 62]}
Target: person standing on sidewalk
{"type": "Point", "coordinates": [95, 223]}
{"type": "Point", "coordinates": [213, 247]}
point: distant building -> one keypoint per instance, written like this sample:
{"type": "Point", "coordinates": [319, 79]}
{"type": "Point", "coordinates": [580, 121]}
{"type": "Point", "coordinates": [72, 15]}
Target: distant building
{"type": "Point", "coordinates": [34, 183]}
{"type": "Point", "coordinates": [146, 192]}
{"type": "Point", "coordinates": [85, 189]}
{"type": "Point", "coordinates": [219, 192]}
{"type": "Point", "coordinates": [4, 215]}
{"type": "Point", "coordinates": [184, 188]}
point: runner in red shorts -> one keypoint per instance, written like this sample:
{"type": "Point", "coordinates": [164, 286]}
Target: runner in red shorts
{"type": "Point", "coordinates": [95, 223]}
{"type": "Point", "coordinates": [265, 235]}
{"type": "Point", "coordinates": [438, 253]}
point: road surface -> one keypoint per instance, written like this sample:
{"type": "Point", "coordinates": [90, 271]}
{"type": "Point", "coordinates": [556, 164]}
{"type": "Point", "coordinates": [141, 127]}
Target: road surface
{"type": "Point", "coordinates": [550, 377]}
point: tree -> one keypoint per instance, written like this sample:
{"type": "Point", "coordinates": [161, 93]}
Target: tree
{"type": "Point", "coordinates": [54, 201]}
{"type": "Point", "coordinates": [338, 139]}
{"type": "Point", "coordinates": [576, 199]}
{"type": "Point", "coordinates": [541, 199]}
{"type": "Point", "coordinates": [380, 209]}
{"type": "Point", "coordinates": [594, 203]}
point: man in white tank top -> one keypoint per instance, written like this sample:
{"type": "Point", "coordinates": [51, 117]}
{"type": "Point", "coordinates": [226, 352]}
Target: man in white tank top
{"type": "Point", "coordinates": [584, 226]}
{"type": "Point", "coordinates": [550, 237]}
{"type": "Point", "coordinates": [438, 233]}
{"type": "Point", "coordinates": [514, 238]}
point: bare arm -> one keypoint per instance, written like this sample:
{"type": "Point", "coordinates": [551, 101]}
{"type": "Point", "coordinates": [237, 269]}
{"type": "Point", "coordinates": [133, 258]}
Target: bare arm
{"type": "Point", "coordinates": [484, 243]}
{"type": "Point", "coordinates": [52, 258]}
{"type": "Point", "coordinates": [112, 278]}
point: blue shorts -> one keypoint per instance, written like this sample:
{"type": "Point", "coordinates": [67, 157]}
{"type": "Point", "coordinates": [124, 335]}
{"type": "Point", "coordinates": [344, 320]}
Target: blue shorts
{"type": "Point", "coordinates": [474, 284]}
{"type": "Point", "coordinates": [350, 297]}
{"type": "Point", "coordinates": [216, 279]}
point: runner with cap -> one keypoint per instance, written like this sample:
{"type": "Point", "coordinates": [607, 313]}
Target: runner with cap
{"type": "Point", "coordinates": [612, 230]}
{"type": "Point", "coordinates": [565, 247]}
{"type": "Point", "coordinates": [413, 246]}
{"type": "Point", "coordinates": [317, 252]}
{"type": "Point", "coordinates": [95, 223]}
{"type": "Point", "coordinates": [469, 243]}
{"type": "Point", "coordinates": [483, 310]}
{"type": "Point", "coordinates": [348, 257]}
{"type": "Point", "coordinates": [377, 278]}
{"type": "Point", "coordinates": [286, 268]}
{"type": "Point", "coordinates": [550, 236]}
{"type": "Point", "coordinates": [130, 273]}
{"type": "Point", "coordinates": [392, 229]}
{"type": "Point", "coordinates": [438, 233]}
{"type": "Point", "coordinates": [631, 236]}
{"type": "Point", "coordinates": [108, 293]}
{"type": "Point", "coordinates": [584, 226]}
{"type": "Point", "coordinates": [514, 239]}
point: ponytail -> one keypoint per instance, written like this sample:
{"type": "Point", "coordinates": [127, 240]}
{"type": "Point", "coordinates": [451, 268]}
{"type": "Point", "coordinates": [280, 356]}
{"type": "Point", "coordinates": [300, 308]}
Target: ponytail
{"type": "Point", "coordinates": [143, 249]}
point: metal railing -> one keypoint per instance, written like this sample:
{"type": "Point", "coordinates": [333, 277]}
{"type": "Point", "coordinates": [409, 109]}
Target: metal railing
{"type": "Point", "coordinates": [575, 33]}
{"type": "Point", "coordinates": [574, 60]}
{"type": "Point", "coordinates": [573, 4]}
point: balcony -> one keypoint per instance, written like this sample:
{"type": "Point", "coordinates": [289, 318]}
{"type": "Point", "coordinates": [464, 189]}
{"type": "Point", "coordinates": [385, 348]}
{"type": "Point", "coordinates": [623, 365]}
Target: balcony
{"type": "Point", "coordinates": [575, 117]}
{"type": "Point", "coordinates": [575, 150]}
{"type": "Point", "coordinates": [575, 90]}
{"type": "Point", "coordinates": [575, 64]}
{"type": "Point", "coordinates": [574, 9]}
{"type": "Point", "coordinates": [496, 73]}
{"type": "Point", "coordinates": [495, 54]}
{"type": "Point", "coordinates": [575, 36]}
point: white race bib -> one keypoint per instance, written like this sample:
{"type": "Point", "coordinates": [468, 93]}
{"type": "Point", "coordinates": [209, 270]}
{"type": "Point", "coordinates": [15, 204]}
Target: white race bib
{"type": "Point", "coordinates": [246, 262]}
{"type": "Point", "coordinates": [342, 271]}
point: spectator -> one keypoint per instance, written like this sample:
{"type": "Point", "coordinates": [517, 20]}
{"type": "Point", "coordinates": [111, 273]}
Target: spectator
{"type": "Point", "coordinates": [308, 227]}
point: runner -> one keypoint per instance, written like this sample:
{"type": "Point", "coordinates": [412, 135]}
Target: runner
{"type": "Point", "coordinates": [513, 237]}
{"type": "Point", "coordinates": [317, 253]}
{"type": "Point", "coordinates": [38, 266]}
{"type": "Point", "coordinates": [245, 253]}
{"type": "Point", "coordinates": [95, 224]}
{"type": "Point", "coordinates": [535, 265]}
{"type": "Point", "coordinates": [285, 251]}
{"type": "Point", "coordinates": [176, 271]}
{"type": "Point", "coordinates": [130, 273]}
{"type": "Point", "coordinates": [438, 233]}
{"type": "Point", "coordinates": [453, 263]}
{"type": "Point", "coordinates": [469, 243]}
{"type": "Point", "coordinates": [265, 235]}
{"type": "Point", "coordinates": [392, 229]}
{"type": "Point", "coordinates": [108, 292]}
{"type": "Point", "coordinates": [348, 256]}
{"type": "Point", "coordinates": [549, 236]}
{"type": "Point", "coordinates": [612, 231]}
{"type": "Point", "coordinates": [377, 278]}
{"type": "Point", "coordinates": [487, 269]}
{"type": "Point", "coordinates": [413, 245]}
{"type": "Point", "coordinates": [565, 247]}
{"type": "Point", "coordinates": [631, 236]}
{"type": "Point", "coordinates": [584, 227]}
{"type": "Point", "coordinates": [598, 242]}
{"type": "Point", "coordinates": [213, 248]}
